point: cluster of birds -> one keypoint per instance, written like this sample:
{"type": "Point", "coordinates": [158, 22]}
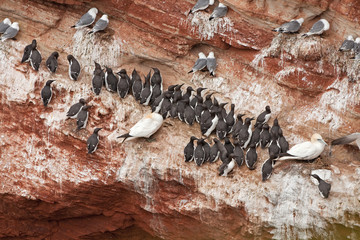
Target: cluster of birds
{"type": "Point", "coordinates": [209, 62]}
{"type": "Point", "coordinates": [219, 12]}
{"type": "Point", "coordinates": [215, 118]}
{"type": "Point", "coordinates": [188, 107]}
{"type": "Point", "coordinates": [8, 29]}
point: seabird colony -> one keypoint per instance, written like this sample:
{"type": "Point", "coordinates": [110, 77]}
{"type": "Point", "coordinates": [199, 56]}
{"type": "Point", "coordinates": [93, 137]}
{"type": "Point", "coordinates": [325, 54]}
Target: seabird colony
{"type": "Point", "coordinates": [188, 107]}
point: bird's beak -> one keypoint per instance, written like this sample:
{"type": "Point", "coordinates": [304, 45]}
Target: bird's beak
{"type": "Point", "coordinates": [321, 140]}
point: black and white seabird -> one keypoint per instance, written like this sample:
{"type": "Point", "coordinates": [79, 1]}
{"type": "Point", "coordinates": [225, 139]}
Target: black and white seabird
{"type": "Point", "coordinates": [264, 116]}
{"type": "Point", "coordinates": [274, 148]}
{"type": "Point", "coordinates": [111, 81]}
{"type": "Point", "coordinates": [93, 141]}
{"type": "Point", "coordinates": [189, 150]}
{"type": "Point", "coordinates": [195, 99]}
{"type": "Point", "coordinates": [221, 127]}
{"type": "Point", "coordinates": [200, 63]}
{"type": "Point", "coordinates": [290, 27]}
{"type": "Point", "coordinates": [74, 68]}
{"type": "Point", "coordinates": [207, 149]}
{"type": "Point", "coordinates": [219, 12]}
{"type": "Point", "coordinates": [5, 24]}
{"type": "Point", "coordinates": [237, 126]}
{"type": "Point", "coordinates": [199, 155]}
{"type": "Point", "coordinates": [46, 92]}
{"type": "Point", "coordinates": [211, 63]}
{"type": "Point", "coordinates": [266, 169]}
{"type": "Point", "coordinates": [227, 166]}
{"type": "Point", "coordinates": [145, 128]}
{"type": "Point", "coordinates": [209, 126]}
{"type": "Point", "coordinates": [177, 93]}
{"type": "Point", "coordinates": [35, 59]}
{"type": "Point", "coordinates": [251, 157]}
{"type": "Point", "coordinates": [255, 137]}
{"type": "Point", "coordinates": [228, 146]}
{"type": "Point", "coordinates": [347, 139]}
{"type": "Point", "coordinates": [76, 108]}
{"type": "Point", "coordinates": [156, 78]}
{"type": "Point", "coordinates": [239, 153]}
{"type": "Point", "coordinates": [324, 187]}
{"type": "Point", "coordinates": [308, 150]}
{"type": "Point", "coordinates": [10, 32]}
{"type": "Point", "coordinates": [97, 81]}
{"type": "Point", "coordinates": [265, 137]}
{"type": "Point", "coordinates": [245, 133]}
{"type": "Point", "coordinates": [347, 45]}
{"type": "Point", "coordinates": [214, 153]}
{"type": "Point", "coordinates": [146, 92]}
{"type": "Point", "coordinates": [166, 105]}
{"type": "Point", "coordinates": [230, 119]}
{"type": "Point", "coordinates": [275, 129]}
{"type": "Point", "coordinates": [199, 109]}
{"type": "Point", "coordinates": [123, 86]}
{"type": "Point", "coordinates": [208, 102]}
{"type": "Point", "coordinates": [156, 92]}
{"type": "Point", "coordinates": [284, 145]}
{"type": "Point", "coordinates": [156, 105]}
{"type": "Point", "coordinates": [27, 51]}
{"type": "Point", "coordinates": [52, 63]}
{"type": "Point", "coordinates": [189, 113]}
{"type": "Point", "coordinates": [187, 94]}
{"type": "Point", "coordinates": [137, 85]}
{"type": "Point", "coordinates": [223, 154]}
{"type": "Point", "coordinates": [86, 19]}
{"type": "Point", "coordinates": [318, 28]}
{"type": "Point", "coordinates": [201, 5]}
{"type": "Point", "coordinates": [101, 24]}
{"type": "Point", "coordinates": [82, 117]}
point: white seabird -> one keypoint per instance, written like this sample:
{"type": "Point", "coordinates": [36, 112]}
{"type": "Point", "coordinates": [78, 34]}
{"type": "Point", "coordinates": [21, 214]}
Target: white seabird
{"type": "Point", "coordinates": [305, 151]}
{"type": "Point", "coordinates": [348, 139]}
{"type": "Point", "coordinates": [200, 63]}
{"type": "Point", "coordinates": [11, 32]}
{"type": "Point", "coordinates": [318, 28]}
{"type": "Point", "coordinates": [219, 12]}
{"type": "Point", "coordinates": [87, 19]}
{"type": "Point", "coordinates": [101, 24]}
{"type": "Point", "coordinates": [348, 44]}
{"type": "Point", "coordinates": [290, 27]}
{"type": "Point", "coordinates": [5, 25]}
{"type": "Point", "coordinates": [211, 63]}
{"type": "Point", "coordinates": [146, 127]}
{"type": "Point", "coordinates": [201, 5]}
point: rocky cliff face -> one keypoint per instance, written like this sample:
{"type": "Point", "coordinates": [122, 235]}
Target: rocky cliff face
{"type": "Point", "coordinates": [52, 189]}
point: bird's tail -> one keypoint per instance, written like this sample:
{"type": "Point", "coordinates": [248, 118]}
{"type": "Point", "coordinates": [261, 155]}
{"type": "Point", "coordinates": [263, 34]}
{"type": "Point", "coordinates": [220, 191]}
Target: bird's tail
{"type": "Point", "coordinates": [90, 32]}
{"type": "Point", "coordinates": [73, 26]}
{"type": "Point", "coordinates": [305, 35]}
{"type": "Point", "coordinates": [125, 136]}
{"type": "Point", "coordinates": [190, 12]}
{"type": "Point", "coordinates": [191, 71]}
{"type": "Point", "coordinates": [211, 18]}
{"type": "Point", "coordinates": [275, 30]}
{"type": "Point", "coordinates": [212, 74]}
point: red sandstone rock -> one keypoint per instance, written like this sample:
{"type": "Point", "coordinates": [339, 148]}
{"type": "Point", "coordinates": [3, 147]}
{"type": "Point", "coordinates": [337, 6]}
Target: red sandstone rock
{"type": "Point", "coordinates": [52, 189]}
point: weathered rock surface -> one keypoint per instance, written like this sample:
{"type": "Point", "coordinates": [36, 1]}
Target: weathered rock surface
{"type": "Point", "coordinates": [52, 189]}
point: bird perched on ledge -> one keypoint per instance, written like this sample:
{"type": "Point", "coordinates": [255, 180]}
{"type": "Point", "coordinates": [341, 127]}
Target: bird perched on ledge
{"type": "Point", "coordinates": [290, 27]}
{"type": "Point", "coordinates": [309, 150]}
{"type": "Point", "coordinates": [318, 28]}
{"type": "Point", "coordinates": [86, 19]}
{"type": "Point", "coordinates": [347, 139]}
{"type": "Point", "coordinates": [146, 127]}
